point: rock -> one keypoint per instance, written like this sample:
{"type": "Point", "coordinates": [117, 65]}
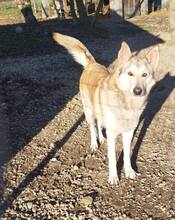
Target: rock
{"type": "Point", "coordinates": [95, 218]}
{"type": "Point", "coordinates": [81, 217]}
{"type": "Point", "coordinates": [75, 167]}
{"type": "Point", "coordinates": [29, 205]}
{"type": "Point", "coordinates": [74, 218]}
{"type": "Point", "coordinates": [19, 29]}
{"type": "Point", "coordinates": [52, 145]}
{"type": "Point", "coordinates": [87, 200]}
{"type": "Point", "coordinates": [53, 159]}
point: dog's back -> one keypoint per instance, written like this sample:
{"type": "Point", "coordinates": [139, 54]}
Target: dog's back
{"type": "Point", "coordinates": [91, 78]}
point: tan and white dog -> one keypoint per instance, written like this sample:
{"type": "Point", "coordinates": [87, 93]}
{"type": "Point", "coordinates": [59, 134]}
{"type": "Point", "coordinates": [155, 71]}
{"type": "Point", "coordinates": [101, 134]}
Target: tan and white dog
{"type": "Point", "coordinates": [113, 101]}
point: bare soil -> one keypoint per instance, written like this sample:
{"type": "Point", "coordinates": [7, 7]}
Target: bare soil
{"type": "Point", "coordinates": [47, 169]}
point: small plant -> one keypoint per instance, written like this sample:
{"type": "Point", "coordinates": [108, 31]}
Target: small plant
{"type": "Point", "coordinates": [8, 9]}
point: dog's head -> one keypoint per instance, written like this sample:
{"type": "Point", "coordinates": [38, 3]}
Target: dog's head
{"type": "Point", "coordinates": [136, 76]}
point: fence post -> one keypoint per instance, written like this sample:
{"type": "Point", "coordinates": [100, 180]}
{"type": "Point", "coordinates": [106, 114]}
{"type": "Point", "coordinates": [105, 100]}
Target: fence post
{"type": "Point", "coordinates": [144, 7]}
{"type": "Point", "coordinates": [172, 13]}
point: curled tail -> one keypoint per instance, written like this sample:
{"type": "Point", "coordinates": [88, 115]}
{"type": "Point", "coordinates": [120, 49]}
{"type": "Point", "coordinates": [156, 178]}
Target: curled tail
{"type": "Point", "coordinates": [74, 47]}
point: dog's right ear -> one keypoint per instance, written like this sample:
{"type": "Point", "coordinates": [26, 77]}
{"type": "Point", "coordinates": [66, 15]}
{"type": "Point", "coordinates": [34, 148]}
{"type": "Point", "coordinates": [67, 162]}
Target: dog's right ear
{"type": "Point", "coordinates": [124, 53]}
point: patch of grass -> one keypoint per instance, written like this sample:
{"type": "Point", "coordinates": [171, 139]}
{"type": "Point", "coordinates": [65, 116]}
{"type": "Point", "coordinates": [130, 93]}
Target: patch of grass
{"type": "Point", "coordinates": [8, 9]}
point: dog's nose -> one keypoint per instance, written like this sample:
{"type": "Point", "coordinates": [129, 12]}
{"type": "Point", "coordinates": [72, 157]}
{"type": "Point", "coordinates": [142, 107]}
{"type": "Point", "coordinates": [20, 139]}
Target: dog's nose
{"type": "Point", "coordinates": [137, 91]}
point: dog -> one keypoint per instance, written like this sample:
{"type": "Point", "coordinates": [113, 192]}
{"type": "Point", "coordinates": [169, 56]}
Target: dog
{"type": "Point", "coordinates": [113, 101]}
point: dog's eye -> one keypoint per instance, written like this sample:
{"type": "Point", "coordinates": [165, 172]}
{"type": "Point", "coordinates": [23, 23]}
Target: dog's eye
{"type": "Point", "coordinates": [130, 74]}
{"type": "Point", "coordinates": [144, 75]}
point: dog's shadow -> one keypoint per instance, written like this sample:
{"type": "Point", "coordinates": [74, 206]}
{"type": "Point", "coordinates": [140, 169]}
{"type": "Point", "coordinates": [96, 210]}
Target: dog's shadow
{"type": "Point", "coordinates": [158, 95]}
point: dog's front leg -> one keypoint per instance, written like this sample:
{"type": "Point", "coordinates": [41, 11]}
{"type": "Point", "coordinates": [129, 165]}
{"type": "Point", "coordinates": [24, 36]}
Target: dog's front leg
{"type": "Point", "coordinates": [127, 138]}
{"type": "Point", "coordinates": [111, 140]}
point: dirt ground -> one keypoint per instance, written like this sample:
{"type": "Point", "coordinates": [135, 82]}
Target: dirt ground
{"type": "Point", "coordinates": [47, 169]}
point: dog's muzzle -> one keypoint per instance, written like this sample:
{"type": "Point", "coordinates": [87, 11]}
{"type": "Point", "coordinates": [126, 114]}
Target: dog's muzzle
{"type": "Point", "coordinates": [137, 91]}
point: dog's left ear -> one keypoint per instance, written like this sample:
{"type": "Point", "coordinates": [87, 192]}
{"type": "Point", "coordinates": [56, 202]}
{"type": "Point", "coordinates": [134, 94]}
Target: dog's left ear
{"type": "Point", "coordinates": [153, 57]}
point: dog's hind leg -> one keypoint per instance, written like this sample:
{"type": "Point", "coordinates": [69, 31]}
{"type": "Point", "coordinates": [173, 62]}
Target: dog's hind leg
{"type": "Point", "coordinates": [100, 133]}
{"type": "Point", "coordinates": [93, 131]}
{"type": "Point", "coordinates": [89, 114]}
{"type": "Point", "coordinates": [127, 138]}
{"type": "Point", "coordinates": [111, 140]}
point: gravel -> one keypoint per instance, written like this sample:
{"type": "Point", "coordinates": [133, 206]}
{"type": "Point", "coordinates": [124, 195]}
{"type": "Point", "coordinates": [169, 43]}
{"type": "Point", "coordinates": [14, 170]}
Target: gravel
{"type": "Point", "coordinates": [47, 168]}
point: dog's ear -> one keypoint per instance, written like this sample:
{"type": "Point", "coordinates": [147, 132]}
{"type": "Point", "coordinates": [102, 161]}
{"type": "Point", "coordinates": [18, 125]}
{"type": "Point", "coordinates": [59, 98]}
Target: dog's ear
{"type": "Point", "coordinates": [153, 57]}
{"type": "Point", "coordinates": [124, 53]}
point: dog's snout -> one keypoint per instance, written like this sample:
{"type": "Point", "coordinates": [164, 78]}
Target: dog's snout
{"type": "Point", "coordinates": [137, 91]}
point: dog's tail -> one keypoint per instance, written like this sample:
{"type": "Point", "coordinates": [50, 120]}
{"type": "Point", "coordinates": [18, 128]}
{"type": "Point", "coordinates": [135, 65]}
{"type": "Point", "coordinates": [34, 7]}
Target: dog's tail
{"type": "Point", "coordinates": [74, 47]}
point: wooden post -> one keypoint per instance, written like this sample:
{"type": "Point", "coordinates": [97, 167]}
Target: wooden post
{"type": "Point", "coordinates": [82, 12]}
{"type": "Point", "coordinates": [66, 9]}
{"type": "Point", "coordinates": [123, 9]}
{"type": "Point", "coordinates": [144, 7]}
{"type": "Point", "coordinates": [99, 7]}
{"type": "Point", "coordinates": [116, 7]}
{"type": "Point", "coordinates": [26, 10]}
{"type": "Point", "coordinates": [72, 10]}
{"type": "Point", "coordinates": [33, 3]}
{"type": "Point", "coordinates": [45, 8]}
{"type": "Point", "coordinates": [172, 13]}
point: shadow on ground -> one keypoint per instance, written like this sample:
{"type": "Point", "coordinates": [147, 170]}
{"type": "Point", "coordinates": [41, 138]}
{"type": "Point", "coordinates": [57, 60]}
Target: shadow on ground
{"type": "Point", "coordinates": [158, 96]}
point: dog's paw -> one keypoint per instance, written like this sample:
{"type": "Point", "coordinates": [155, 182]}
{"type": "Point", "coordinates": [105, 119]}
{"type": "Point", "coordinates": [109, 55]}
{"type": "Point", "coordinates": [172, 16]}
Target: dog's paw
{"type": "Point", "coordinates": [94, 147]}
{"type": "Point", "coordinates": [101, 140]}
{"type": "Point", "coordinates": [113, 180]}
{"type": "Point", "coordinates": [131, 174]}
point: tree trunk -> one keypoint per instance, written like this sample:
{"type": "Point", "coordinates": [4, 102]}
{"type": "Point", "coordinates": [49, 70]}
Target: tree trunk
{"type": "Point", "coordinates": [172, 13]}
{"type": "Point", "coordinates": [26, 10]}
